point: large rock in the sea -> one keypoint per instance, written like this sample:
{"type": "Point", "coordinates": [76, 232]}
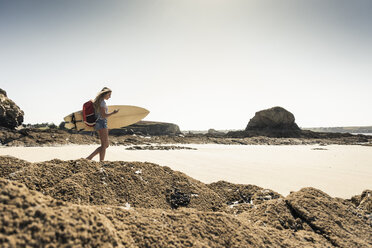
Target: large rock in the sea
{"type": "Point", "coordinates": [275, 122]}
{"type": "Point", "coordinates": [11, 116]}
{"type": "Point", "coordinates": [273, 118]}
{"type": "Point", "coordinates": [148, 128]}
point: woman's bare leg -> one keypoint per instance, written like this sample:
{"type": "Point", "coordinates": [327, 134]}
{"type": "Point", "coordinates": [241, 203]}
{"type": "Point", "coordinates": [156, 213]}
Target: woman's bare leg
{"type": "Point", "coordinates": [91, 156]}
{"type": "Point", "coordinates": [103, 135]}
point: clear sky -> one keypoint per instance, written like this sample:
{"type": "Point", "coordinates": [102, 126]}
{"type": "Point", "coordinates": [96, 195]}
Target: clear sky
{"type": "Point", "coordinates": [198, 63]}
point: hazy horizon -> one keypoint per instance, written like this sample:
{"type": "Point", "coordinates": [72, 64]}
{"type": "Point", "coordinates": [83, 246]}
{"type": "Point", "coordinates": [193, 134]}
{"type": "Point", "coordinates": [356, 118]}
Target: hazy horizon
{"type": "Point", "coordinates": [200, 64]}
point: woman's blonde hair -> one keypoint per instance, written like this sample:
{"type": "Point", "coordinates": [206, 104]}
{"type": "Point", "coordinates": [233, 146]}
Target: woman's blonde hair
{"type": "Point", "coordinates": [99, 98]}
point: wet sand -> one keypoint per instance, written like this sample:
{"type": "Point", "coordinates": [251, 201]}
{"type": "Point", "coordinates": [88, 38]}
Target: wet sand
{"type": "Point", "coordinates": [339, 170]}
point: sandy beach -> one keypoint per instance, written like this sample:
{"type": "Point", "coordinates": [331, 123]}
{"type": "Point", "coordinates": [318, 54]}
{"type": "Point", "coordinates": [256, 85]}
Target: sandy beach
{"type": "Point", "coordinates": [339, 170]}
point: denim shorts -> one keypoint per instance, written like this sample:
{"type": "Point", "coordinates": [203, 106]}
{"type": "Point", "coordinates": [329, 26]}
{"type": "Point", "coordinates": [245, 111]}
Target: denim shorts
{"type": "Point", "coordinates": [100, 123]}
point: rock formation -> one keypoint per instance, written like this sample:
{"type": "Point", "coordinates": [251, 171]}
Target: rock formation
{"type": "Point", "coordinates": [273, 118]}
{"type": "Point", "coordinates": [3, 92]}
{"type": "Point", "coordinates": [114, 183]}
{"type": "Point", "coordinates": [148, 128]}
{"type": "Point", "coordinates": [11, 116]}
{"type": "Point", "coordinates": [275, 122]}
{"type": "Point", "coordinates": [130, 204]}
{"type": "Point", "coordinates": [363, 203]}
{"type": "Point", "coordinates": [333, 218]}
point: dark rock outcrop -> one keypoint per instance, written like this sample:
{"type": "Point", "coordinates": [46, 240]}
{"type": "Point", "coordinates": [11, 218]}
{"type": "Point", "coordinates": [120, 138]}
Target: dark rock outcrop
{"type": "Point", "coordinates": [3, 92]}
{"type": "Point", "coordinates": [277, 122]}
{"type": "Point", "coordinates": [148, 128]}
{"type": "Point", "coordinates": [273, 118]}
{"type": "Point", "coordinates": [11, 116]}
{"type": "Point", "coordinates": [36, 137]}
{"type": "Point", "coordinates": [177, 198]}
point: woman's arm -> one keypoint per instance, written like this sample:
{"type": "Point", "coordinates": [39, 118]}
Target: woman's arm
{"type": "Point", "coordinates": [105, 115]}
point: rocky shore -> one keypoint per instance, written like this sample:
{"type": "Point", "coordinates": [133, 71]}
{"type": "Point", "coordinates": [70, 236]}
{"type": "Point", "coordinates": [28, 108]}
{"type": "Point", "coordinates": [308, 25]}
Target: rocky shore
{"type": "Point", "coordinates": [274, 126]}
{"type": "Point", "coordinates": [81, 203]}
{"type": "Point", "coordinates": [133, 204]}
{"type": "Point", "coordinates": [53, 137]}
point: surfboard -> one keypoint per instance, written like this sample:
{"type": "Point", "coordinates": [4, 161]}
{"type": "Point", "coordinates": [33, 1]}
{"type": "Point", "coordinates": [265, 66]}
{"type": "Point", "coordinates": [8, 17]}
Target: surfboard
{"type": "Point", "coordinates": [126, 116]}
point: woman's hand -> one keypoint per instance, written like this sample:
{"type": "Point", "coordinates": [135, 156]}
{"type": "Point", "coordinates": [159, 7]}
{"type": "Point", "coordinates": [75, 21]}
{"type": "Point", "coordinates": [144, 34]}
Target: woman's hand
{"type": "Point", "coordinates": [114, 112]}
{"type": "Point", "coordinates": [109, 114]}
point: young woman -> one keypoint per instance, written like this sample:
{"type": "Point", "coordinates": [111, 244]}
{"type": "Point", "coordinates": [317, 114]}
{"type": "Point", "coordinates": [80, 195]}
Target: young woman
{"type": "Point", "coordinates": [101, 123]}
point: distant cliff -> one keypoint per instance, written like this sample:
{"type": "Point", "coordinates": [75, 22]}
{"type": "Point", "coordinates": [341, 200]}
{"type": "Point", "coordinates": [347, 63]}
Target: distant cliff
{"type": "Point", "coordinates": [364, 129]}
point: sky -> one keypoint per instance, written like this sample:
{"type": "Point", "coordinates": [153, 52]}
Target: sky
{"type": "Point", "coordinates": [197, 63]}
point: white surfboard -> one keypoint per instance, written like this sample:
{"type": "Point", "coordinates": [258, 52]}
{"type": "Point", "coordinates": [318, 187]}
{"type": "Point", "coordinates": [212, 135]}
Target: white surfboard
{"type": "Point", "coordinates": [126, 116]}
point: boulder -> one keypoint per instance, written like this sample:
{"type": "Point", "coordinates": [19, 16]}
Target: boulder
{"type": "Point", "coordinates": [333, 218]}
{"type": "Point", "coordinates": [148, 128]}
{"type": "Point", "coordinates": [275, 122]}
{"type": "Point", "coordinates": [3, 92]}
{"type": "Point", "coordinates": [273, 118]}
{"type": "Point", "coordinates": [11, 116]}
